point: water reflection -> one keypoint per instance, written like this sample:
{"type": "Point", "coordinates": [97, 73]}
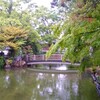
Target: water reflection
{"type": "Point", "coordinates": [51, 66]}
{"type": "Point", "coordinates": [7, 80]}
{"type": "Point", "coordinates": [62, 67]}
{"type": "Point", "coordinates": [23, 84]}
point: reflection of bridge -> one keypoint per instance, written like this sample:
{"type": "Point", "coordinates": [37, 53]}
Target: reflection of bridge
{"type": "Point", "coordinates": [54, 71]}
{"type": "Point", "coordinates": [41, 59]}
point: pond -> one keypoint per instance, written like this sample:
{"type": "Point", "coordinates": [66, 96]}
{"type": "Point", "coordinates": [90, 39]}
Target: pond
{"type": "Point", "coordinates": [25, 84]}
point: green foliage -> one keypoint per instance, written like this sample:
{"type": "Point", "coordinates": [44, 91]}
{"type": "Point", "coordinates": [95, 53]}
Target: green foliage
{"type": "Point", "coordinates": [79, 34]}
{"type": "Point", "coordinates": [12, 36]}
{"type": "Point", "coordinates": [2, 62]}
{"type": "Point", "coordinates": [9, 21]}
{"type": "Point", "coordinates": [96, 58]}
{"type": "Point", "coordinates": [12, 15]}
{"type": "Point", "coordinates": [52, 49]}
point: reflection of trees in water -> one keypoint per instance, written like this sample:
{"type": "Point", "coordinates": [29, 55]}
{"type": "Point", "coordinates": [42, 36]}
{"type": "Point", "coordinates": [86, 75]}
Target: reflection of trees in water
{"type": "Point", "coordinates": [87, 89]}
{"type": "Point", "coordinates": [15, 90]}
{"type": "Point", "coordinates": [56, 86]}
{"type": "Point", "coordinates": [19, 75]}
{"type": "Point", "coordinates": [29, 85]}
{"type": "Point", "coordinates": [65, 87]}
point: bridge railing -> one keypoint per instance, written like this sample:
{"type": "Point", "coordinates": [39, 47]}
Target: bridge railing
{"type": "Point", "coordinates": [55, 57]}
{"type": "Point", "coordinates": [43, 57]}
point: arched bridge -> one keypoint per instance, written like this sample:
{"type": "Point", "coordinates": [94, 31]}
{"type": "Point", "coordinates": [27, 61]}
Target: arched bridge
{"type": "Point", "coordinates": [53, 59]}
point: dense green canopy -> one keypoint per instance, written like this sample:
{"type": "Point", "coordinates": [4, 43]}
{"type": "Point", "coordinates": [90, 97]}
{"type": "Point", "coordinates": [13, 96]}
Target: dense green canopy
{"type": "Point", "coordinates": [80, 34]}
{"type": "Point", "coordinates": [36, 20]}
{"type": "Point", "coordinates": [76, 28]}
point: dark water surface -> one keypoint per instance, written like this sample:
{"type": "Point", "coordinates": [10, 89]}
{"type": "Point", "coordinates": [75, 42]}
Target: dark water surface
{"type": "Point", "coordinates": [25, 84]}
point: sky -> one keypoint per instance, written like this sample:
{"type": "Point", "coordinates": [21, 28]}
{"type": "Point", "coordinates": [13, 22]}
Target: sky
{"type": "Point", "coordinates": [45, 3]}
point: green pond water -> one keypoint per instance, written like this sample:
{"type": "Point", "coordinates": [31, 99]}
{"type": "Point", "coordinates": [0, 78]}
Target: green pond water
{"type": "Point", "coordinates": [25, 84]}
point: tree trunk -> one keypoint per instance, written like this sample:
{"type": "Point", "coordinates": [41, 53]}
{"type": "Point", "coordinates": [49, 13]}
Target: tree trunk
{"type": "Point", "coordinates": [10, 7]}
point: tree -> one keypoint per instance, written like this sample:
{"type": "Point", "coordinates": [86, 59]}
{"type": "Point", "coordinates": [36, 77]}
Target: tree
{"type": "Point", "coordinates": [12, 37]}
{"type": "Point", "coordinates": [81, 35]}
{"type": "Point", "coordinates": [43, 19]}
{"type": "Point", "coordinates": [13, 16]}
{"type": "Point", "coordinates": [61, 3]}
